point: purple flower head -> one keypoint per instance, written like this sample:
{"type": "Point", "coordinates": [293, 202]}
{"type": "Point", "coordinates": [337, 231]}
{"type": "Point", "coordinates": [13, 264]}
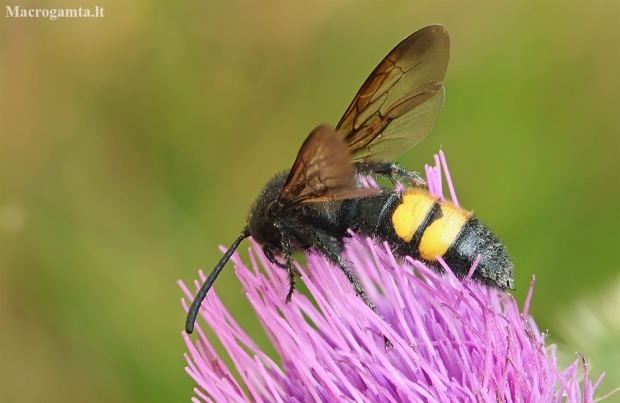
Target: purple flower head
{"type": "Point", "coordinates": [453, 341]}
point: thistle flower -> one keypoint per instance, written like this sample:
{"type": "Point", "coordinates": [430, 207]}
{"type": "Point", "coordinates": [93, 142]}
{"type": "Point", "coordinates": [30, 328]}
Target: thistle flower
{"type": "Point", "coordinates": [452, 341]}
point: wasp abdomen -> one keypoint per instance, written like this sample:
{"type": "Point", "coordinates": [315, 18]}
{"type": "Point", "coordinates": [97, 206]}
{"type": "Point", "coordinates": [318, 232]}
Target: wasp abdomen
{"type": "Point", "coordinates": [494, 268]}
{"type": "Point", "coordinates": [419, 225]}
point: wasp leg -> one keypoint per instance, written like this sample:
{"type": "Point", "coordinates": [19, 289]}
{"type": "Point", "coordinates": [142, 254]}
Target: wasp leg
{"type": "Point", "coordinates": [270, 253]}
{"type": "Point", "coordinates": [290, 270]}
{"type": "Point", "coordinates": [391, 171]}
{"type": "Point", "coordinates": [285, 248]}
{"type": "Point", "coordinates": [331, 248]}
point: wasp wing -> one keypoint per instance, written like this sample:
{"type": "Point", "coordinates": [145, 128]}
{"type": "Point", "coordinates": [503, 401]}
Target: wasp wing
{"type": "Point", "coordinates": [322, 172]}
{"type": "Point", "coordinates": [398, 103]}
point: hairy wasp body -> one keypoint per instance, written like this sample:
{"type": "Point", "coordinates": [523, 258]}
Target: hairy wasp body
{"type": "Point", "coordinates": [316, 202]}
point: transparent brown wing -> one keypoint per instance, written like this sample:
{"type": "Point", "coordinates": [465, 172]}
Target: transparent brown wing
{"type": "Point", "coordinates": [398, 103]}
{"type": "Point", "coordinates": [321, 172]}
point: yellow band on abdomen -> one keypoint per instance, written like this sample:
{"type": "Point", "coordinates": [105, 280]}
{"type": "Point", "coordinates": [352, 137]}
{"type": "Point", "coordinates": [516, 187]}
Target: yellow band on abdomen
{"type": "Point", "coordinates": [411, 213]}
{"type": "Point", "coordinates": [442, 232]}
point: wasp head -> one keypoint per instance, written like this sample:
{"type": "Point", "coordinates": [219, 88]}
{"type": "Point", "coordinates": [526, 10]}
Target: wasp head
{"type": "Point", "coordinates": [265, 216]}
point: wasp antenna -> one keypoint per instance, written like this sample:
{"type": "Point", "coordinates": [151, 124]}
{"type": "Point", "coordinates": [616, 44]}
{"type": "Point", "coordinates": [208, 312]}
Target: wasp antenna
{"type": "Point", "coordinates": [202, 293]}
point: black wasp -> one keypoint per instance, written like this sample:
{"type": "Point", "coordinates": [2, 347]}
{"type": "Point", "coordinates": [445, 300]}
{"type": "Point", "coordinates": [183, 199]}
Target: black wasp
{"type": "Point", "coordinates": [315, 203]}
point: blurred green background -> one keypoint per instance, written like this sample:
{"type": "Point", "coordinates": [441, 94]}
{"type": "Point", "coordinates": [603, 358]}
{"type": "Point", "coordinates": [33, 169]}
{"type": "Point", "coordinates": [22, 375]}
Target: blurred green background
{"type": "Point", "coordinates": [133, 145]}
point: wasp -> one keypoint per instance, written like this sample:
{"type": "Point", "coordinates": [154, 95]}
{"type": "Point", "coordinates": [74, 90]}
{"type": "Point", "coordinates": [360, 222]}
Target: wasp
{"type": "Point", "coordinates": [319, 200]}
